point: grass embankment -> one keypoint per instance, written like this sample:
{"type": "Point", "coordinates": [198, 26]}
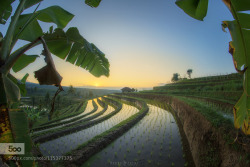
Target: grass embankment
{"type": "Point", "coordinates": [56, 133]}
{"type": "Point", "coordinates": [45, 134]}
{"type": "Point", "coordinates": [68, 112]}
{"type": "Point", "coordinates": [58, 123]}
{"type": "Point", "coordinates": [226, 87]}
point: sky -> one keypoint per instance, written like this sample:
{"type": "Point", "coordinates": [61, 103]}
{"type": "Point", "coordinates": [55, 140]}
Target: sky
{"type": "Point", "coordinates": [145, 41]}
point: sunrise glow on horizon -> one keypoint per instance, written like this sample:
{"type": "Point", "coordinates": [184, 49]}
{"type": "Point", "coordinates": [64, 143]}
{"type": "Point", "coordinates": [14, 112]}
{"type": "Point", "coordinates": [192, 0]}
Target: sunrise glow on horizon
{"type": "Point", "coordinates": [145, 42]}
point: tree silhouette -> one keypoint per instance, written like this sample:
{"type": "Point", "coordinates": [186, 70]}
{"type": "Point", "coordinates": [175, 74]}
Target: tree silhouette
{"type": "Point", "coordinates": [189, 72]}
{"type": "Point", "coordinates": [175, 77]}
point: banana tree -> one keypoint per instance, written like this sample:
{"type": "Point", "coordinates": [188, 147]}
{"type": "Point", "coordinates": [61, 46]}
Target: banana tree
{"type": "Point", "coordinates": [239, 48]}
{"type": "Point", "coordinates": [65, 44]}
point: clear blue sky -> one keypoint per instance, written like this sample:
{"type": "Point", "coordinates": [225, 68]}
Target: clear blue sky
{"type": "Point", "coordinates": [146, 41]}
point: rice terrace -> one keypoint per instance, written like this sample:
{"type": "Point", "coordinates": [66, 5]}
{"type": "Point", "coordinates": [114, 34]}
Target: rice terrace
{"type": "Point", "coordinates": [171, 89]}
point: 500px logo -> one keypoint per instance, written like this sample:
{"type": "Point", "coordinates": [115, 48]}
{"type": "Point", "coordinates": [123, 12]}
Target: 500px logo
{"type": "Point", "coordinates": [12, 148]}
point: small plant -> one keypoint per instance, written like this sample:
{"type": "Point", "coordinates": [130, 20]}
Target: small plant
{"type": "Point", "coordinates": [172, 164]}
{"type": "Point", "coordinates": [161, 148]}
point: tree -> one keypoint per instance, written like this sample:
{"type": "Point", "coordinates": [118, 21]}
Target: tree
{"type": "Point", "coordinates": [175, 77]}
{"type": "Point", "coordinates": [65, 44]}
{"type": "Point", "coordinates": [239, 48]}
{"type": "Point", "coordinates": [189, 72]}
{"type": "Point", "coordinates": [76, 49]}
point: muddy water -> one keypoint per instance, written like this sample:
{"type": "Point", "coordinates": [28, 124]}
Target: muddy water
{"type": "Point", "coordinates": [62, 145]}
{"type": "Point", "coordinates": [154, 141]}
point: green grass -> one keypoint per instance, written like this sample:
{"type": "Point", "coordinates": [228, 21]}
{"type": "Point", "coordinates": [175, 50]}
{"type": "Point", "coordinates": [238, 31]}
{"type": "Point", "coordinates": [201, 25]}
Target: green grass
{"type": "Point", "coordinates": [60, 114]}
{"type": "Point", "coordinates": [211, 114]}
{"type": "Point", "coordinates": [226, 87]}
{"type": "Point", "coordinates": [80, 108]}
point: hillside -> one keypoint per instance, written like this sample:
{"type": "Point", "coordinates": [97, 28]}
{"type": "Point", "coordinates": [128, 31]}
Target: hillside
{"type": "Point", "coordinates": [41, 90]}
{"type": "Point", "coordinates": [224, 87]}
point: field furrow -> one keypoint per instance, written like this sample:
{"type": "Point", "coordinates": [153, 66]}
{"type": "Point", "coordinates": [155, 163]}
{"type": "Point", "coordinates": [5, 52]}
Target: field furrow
{"type": "Point", "coordinates": [154, 141]}
{"type": "Point", "coordinates": [69, 142]}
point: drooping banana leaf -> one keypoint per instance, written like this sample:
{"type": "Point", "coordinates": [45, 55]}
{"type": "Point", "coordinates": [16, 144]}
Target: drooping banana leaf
{"type": "Point", "coordinates": [77, 50]}
{"type": "Point", "coordinates": [48, 74]}
{"type": "Point", "coordinates": [68, 45]}
{"type": "Point", "coordinates": [20, 131]}
{"type": "Point", "coordinates": [240, 50]}
{"type": "Point", "coordinates": [239, 47]}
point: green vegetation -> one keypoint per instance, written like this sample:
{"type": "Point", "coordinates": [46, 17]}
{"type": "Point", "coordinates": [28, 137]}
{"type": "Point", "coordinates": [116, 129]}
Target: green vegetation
{"type": "Point", "coordinates": [20, 130]}
{"type": "Point", "coordinates": [78, 109]}
{"type": "Point", "coordinates": [57, 122]}
{"type": "Point", "coordinates": [224, 87]}
{"type": "Point", "coordinates": [206, 95]}
{"type": "Point", "coordinates": [175, 77]}
{"type": "Point", "coordinates": [189, 72]}
{"type": "Point", "coordinates": [203, 95]}
{"type": "Point", "coordinates": [210, 113]}
{"type": "Point", "coordinates": [26, 27]}
{"type": "Point", "coordinates": [239, 49]}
